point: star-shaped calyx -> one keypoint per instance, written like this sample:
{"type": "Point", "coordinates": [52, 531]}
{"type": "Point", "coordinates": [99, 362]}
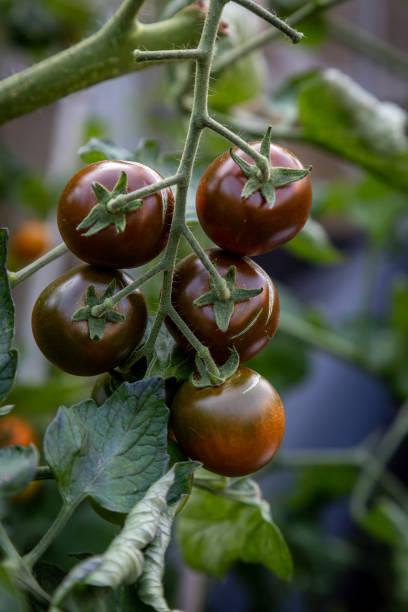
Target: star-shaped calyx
{"type": "Point", "coordinates": [103, 213]}
{"type": "Point", "coordinates": [97, 323]}
{"type": "Point", "coordinates": [202, 378]}
{"type": "Point", "coordinates": [278, 176]}
{"type": "Point", "coordinates": [223, 305]}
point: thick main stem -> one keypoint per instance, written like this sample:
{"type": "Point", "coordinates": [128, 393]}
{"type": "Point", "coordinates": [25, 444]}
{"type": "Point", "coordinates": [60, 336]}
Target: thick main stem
{"type": "Point", "coordinates": [196, 125]}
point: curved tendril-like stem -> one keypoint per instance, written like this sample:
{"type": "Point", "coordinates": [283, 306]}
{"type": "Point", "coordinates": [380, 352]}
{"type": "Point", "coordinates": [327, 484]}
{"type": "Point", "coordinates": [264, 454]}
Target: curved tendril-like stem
{"type": "Point", "coordinates": [271, 18]}
{"type": "Point", "coordinates": [229, 58]}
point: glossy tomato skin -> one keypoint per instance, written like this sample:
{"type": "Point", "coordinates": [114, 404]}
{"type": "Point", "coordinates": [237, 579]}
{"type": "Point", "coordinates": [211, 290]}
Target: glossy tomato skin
{"type": "Point", "coordinates": [249, 227]}
{"type": "Point", "coordinates": [67, 344]}
{"type": "Point", "coordinates": [234, 429]}
{"type": "Point", "coordinates": [253, 322]}
{"type": "Point", "coordinates": [147, 228]}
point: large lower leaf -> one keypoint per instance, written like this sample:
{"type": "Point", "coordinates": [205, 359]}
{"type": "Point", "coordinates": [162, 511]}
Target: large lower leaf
{"type": "Point", "coordinates": [216, 530]}
{"type": "Point", "coordinates": [8, 356]}
{"type": "Point", "coordinates": [139, 545]}
{"type": "Point", "coordinates": [17, 468]}
{"type": "Point", "coordinates": [114, 452]}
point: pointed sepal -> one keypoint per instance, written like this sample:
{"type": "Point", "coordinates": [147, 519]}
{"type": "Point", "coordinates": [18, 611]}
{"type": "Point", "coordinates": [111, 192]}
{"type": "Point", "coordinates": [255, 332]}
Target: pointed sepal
{"type": "Point", "coordinates": [100, 217]}
{"type": "Point", "coordinates": [278, 176]}
{"type": "Point", "coordinates": [96, 324]}
{"type": "Point", "coordinates": [202, 378]}
{"type": "Point", "coordinates": [224, 307]}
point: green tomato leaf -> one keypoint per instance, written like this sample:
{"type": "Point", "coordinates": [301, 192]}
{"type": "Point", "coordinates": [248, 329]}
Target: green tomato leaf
{"type": "Point", "coordinates": [171, 361]}
{"type": "Point", "coordinates": [8, 356]}
{"type": "Point", "coordinates": [355, 125]}
{"type": "Point", "coordinates": [114, 452]}
{"type": "Point", "coordinates": [124, 560]}
{"type": "Point", "coordinates": [98, 150]}
{"type": "Point", "coordinates": [313, 244]}
{"type": "Point", "coordinates": [17, 468]}
{"type": "Point", "coordinates": [11, 597]}
{"type": "Point", "coordinates": [216, 531]}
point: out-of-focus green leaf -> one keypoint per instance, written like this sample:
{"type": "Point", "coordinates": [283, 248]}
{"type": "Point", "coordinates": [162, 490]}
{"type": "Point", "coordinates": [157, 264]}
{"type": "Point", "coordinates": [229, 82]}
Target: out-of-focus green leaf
{"type": "Point", "coordinates": [313, 244]}
{"type": "Point", "coordinates": [8, 356]}
{"type": "Point", "coordinates": [388, 523]}
{"type": "Point", "coordinates": [284, 362]}
{"type": "Point", "coordinates": [214, 532]}
{"type": "Point", "coordinates": [97, 150]}
{"type": "Point", "coordinates": [318, 485]}
{"type": "Point", "coordinates": [11, 598]}
{"type": "Point", "coordinates": [242, 81]}
{"type": "Point", "coordinates": [17, 468]}
{"type": "Point", "coordinates": [340, 116]}
{"type": "Point", "coordinates": [114, 452]}
{"type": "Point", "coordinates": [371, 204]}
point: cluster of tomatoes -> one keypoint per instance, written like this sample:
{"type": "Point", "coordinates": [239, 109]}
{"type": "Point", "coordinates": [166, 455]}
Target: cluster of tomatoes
{"type": "Point", "coordinates": [234, 428]}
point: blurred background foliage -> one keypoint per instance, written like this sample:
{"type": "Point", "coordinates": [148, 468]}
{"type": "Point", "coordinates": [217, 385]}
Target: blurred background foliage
{"type": "Point", "coordinates": [340, 357]}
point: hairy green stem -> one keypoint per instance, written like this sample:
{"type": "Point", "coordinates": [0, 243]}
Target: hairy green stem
{"type": "Point", "coordinates": [106, 54]}
{"type": "Point", "coordinates": [271, 18]}
{"type": "Point", "coordinates": [109, 303]}
{"type": "Point", "coordinates": [260, 40]}
{"type": "Point", "coordinates": [260, 160]}
{"type": "Point", "coordinates": [20, 570]}
{"type": "Point", "coordinates": [116, 204]}
{"type": "Point", "coordinates": [196, 124]}
{"type": "Point", "coordinates": [167, 55]}
{"type": "Point", "coordinates": [62, 518]}
{"type": "Point", "coordinates": [220, 283]}
{"type": "Point", "coordinates": [17, 277]}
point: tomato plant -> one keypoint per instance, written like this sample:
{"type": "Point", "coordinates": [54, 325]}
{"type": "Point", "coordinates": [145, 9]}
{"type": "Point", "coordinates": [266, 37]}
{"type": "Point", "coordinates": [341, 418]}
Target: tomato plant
{"type": "Point", "coordinates": [253, 322]}
{"type": "Point", "coordinates": [146, 231]}
{"type": "Point", "coordinates": [67, 343]}
{"type": "Point", "coordinates": [233, 429]}
{"type": "Point", "coordinates": [248, 226]}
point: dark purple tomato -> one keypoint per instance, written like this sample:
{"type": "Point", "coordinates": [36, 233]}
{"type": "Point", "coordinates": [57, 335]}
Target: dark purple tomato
{"type": "Point", "coordinates": [147, 228]}
{"type": "Point", "coordinates": [249, 226]}
{"type": "Point", "coordinates": [253, 322]}
{"type": "Point", "coordinates": [234, 429]}
{"type": "Point", "coordinates": [66, 343]}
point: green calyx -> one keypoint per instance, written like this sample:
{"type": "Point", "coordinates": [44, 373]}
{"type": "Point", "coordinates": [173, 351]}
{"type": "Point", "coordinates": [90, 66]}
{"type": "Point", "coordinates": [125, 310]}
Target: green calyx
{"type": "Point", "coordinates": [278, 177]}
{"type": "Point", "coordinates": [109, 210]}
{"type": "Point", "coordinates": [97, 321]}
{"type": "Point", "coordinates": [203, 378]}
{"type": "Point", "coordinates": [223, 305]}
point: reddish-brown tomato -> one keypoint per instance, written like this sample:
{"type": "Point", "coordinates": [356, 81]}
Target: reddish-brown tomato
{"type": "Point", "coordinates": [253, 322]}
{"type": "Point", "coordinates": [66, 343]}
{"type": "Point", "coordinates": [147, 228]}
{"type": "Point", "coordinates": [233, 429]}
{"type": "Point", "coordinates": [250, 227]}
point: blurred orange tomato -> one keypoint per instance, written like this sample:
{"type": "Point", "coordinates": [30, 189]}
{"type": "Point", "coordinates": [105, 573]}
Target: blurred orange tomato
{"type": "Point", "coordinates": [30, 240]}
{"type": "Point", "coordinates": [16, 430]}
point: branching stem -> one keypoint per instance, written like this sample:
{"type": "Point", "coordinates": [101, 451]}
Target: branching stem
{"type": "Point", "coordinates": [271, 18]}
